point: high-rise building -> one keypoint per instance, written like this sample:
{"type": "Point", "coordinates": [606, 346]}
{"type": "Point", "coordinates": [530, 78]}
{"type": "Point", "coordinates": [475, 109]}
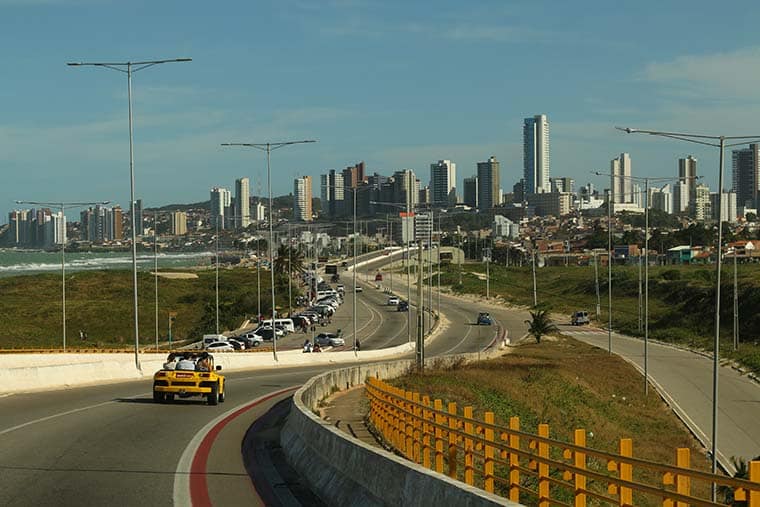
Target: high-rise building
{"type": "Point", "coordinates": [179, 223]}
{"type": "Point", "coordinates": [622, 190]}
{"type": "Point", "coordinates": [335, 194]}
{"type": "Point", "coordinates": [727, 206]}
{"type": "Point", "coordinates": [220, 204]}
{"type": "Point", "coordinates": [746, 175]}
{"type": "Point", "coordinates": [660, 198]}
{"type": "Point", "coordinates": [423, 227]}
{"type": "Point", "coordinates": [470, 194]}
{"type": "Point", "coordinates": [488, 184]}
{"type": "Point", "coordinates": [242, 203]}
{"type": "Point", "coordinates": [138, 218]}
{"type": "Point", "coordinates": [687, 173]}
{"type": "Point", "coordinates": [101, 224]}
{"type": "Point", "coordinates": [536, 154]}
{"type": "Point", "coordinates": [425, 196]}
{"type": "Point", "coordinates": [302, 198]}
{"type": "Point", "coordinates": [563, 185]}
{"type": "Point", "coordinates": [406, 188]}
{"type": "Point", "coordinates": [701, 205]}
{"type": "Point", "coordinates": [260, 212]}
{"type": "Point", "coordinates": [443, 183]}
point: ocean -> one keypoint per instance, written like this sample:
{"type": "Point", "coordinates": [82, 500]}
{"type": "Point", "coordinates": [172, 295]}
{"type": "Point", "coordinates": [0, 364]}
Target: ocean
{"type": "Point", "coordinates": [25, 262]}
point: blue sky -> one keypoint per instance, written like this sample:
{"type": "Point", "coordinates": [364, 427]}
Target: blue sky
{"type": "Point", "coordinates": [396, 84]}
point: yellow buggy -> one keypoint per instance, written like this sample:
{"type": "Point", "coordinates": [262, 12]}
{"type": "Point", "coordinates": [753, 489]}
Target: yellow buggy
{"type": "Point", "coordinates": [187, 374]}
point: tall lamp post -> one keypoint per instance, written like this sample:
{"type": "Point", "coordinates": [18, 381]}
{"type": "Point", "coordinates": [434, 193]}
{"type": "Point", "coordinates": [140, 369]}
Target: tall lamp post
{"type": "Point", "coordinates": [130, 68]}
{"type": "Point", "coordinates": [720, 143]}
{"type": "Point", "coordinates": [63, 206]}
{"type": "Point", "coordinates": [268, 148]}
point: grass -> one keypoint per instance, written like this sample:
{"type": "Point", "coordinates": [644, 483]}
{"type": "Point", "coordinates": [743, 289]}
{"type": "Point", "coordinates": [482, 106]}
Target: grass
{"type": "Point", "coordinates": [567, 385]}
{"type": "Point", "coordinates": [100, 304]}
{"type": "Point", "coordinates": [681, 300]}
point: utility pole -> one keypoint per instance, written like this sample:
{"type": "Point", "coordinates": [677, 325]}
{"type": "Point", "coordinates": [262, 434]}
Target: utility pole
{"type": "Point", "coordinates": [420, 317]}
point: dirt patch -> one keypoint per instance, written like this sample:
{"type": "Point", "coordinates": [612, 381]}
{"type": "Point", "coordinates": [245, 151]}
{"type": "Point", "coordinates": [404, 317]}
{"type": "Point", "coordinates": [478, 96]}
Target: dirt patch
{"type": "Point", "coordinates": [176, 276]}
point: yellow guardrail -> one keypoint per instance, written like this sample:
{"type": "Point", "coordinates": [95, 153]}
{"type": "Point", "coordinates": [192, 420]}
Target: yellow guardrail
{"type": "Point", "coordinates": [541, 470]}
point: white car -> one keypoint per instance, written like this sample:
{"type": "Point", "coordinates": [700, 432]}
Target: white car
{"type": "Point", "coordinates": [393, 301]}
{"type": "Point", "coordinates": [358, 289]}
{"type": "Point", "coordinates": [220, 347]}
{"type": "Point", "coordinates": [279, 332]}
{"type": "Point", "coordinates": [331, 339]}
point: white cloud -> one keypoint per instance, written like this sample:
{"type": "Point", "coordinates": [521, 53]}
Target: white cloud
{"type": "Point", "coordinates": [729, 75]}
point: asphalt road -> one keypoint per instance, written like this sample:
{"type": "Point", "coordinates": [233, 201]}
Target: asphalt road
{"type": "Point", "coordinates": [111, 445]}
{"type": "Point", "coordinates": [685, 379]}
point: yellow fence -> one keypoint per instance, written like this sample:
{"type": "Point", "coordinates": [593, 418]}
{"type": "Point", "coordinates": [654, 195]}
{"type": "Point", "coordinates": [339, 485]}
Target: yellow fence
{"type": "Point", "coordinates": [536, 469]}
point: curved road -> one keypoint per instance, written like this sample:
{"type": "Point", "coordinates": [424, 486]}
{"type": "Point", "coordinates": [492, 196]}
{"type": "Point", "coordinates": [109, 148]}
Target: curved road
{"type": "Point", "coordinates": [111, 445]}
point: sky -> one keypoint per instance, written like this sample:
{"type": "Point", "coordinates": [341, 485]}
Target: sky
{"type": "Point", "coordinates": [397, 84]}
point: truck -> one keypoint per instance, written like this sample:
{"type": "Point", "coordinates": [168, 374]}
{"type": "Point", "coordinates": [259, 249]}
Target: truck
{"type": "Point", "coordinates": [580, 318]}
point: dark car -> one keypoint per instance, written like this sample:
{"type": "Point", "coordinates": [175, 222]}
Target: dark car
{"type": "Point", "coordinates": [403, 306]}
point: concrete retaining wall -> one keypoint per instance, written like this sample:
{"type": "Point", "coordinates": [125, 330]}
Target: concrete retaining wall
{"type": "Point", "coordinates": [346, 471]}
{"type": "Point", "coordinates": [36, 372]}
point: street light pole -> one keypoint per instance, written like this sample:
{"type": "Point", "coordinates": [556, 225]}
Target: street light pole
{"type": "Point", "coordinates": [217, 275]}
{"type": "Point", "coordinates": [127, 68]}
{"type": "Point", "coordinates": [268, 148]}
{"type": "Point", "coordinates": [721, 145]}
{"type": "Point", "coordinates": [62, 206]}
{"type": "Point", "coordinates": [155, 266]}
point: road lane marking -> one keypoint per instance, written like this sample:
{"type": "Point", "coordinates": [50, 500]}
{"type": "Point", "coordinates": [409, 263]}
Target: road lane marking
{"type": "Point", "coordinates": [190, 486]}
{"type": "Point", "coordinates": [54, 416]}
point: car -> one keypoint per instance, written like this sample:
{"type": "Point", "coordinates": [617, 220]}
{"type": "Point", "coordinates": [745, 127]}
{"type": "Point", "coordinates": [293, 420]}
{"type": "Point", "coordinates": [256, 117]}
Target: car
{"type": "Point", "coordinates": [403, 306]}
{"type": "Point", "coordinates": [265, 334]}
{"type": "Point", "coordinates": [206, 381]}
{"type": "Point", "coordinates": [580, 318]}
{"type": "Point", "coordinates": [358, 289]}
{"type": "Point", "coordinates": [250, 340]}
{"type": "Point", "coordinates": [332, 339]}
{"type": "Point", "coordinates": [393, 301]}
{"type": "Point", "coordinates": [484, 319]}
{"type": "Point", "coordinates": [220, 347]}
{"type": "Point", "coordinates": [340, 288]}
{"type": "Point", "coordinates": [279, 332]}
{"type": "Point", "coordinates": [236, 344]}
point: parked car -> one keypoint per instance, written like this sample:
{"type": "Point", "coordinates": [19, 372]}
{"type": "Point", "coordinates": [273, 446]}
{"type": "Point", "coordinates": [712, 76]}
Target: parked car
{"type": "Point", "coordinates": [358, 289]}
{"type": "Point", "coordinates": [265, 334]}
{"type": "Point", "coordinates": [250, 340]}
{"type": "Point", "coordinates": [403, 306]}
{"type": "Point", "coordinates": [332, 339]}
{"type": "Point", "coordinates": [220, 347]}
{"type": "Point", "coordinates": [236, 344]}
{"type": "Point", "coordinates": [393, 301]}
{"type": "Point", "coordinates": [580, 318]}
{"type": "Point", "coordinates": [484, 319]}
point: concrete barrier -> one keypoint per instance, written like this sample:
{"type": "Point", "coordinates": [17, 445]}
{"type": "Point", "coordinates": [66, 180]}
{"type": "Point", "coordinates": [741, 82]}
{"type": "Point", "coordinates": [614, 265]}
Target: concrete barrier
{"type": "Point", "coordinates": [346, 471]}
{"type": "Point", "coordinates": [40, 372]}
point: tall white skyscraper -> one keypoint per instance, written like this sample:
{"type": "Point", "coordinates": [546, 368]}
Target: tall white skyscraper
{"type": "Point", "coordinates": [220, 202]}
{"type": "Point", "coordinates": [443, 183]}
{"type": "Point", "coordinates": [242, 202]}
{"type": "Point", "coordinates": [302, 199]}
{"type": "Point", "coordinates": [536, 154]}
{"type": "Point", "coordinates": [620, 168]}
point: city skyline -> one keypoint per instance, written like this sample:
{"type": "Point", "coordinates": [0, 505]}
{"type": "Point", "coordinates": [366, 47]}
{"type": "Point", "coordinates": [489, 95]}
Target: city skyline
{"type": "Point", "coordinates": [183, 112]}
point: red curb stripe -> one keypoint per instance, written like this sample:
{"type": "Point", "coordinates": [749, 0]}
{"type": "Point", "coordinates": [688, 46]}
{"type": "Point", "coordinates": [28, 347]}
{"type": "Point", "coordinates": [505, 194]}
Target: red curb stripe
{"type": "Point", "coordinates": [199, 496]}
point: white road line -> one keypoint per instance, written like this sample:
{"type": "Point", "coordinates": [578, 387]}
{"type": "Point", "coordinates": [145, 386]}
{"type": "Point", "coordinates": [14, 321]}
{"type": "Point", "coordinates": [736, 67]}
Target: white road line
{"type": "Point", "coordinates": [54, 416]}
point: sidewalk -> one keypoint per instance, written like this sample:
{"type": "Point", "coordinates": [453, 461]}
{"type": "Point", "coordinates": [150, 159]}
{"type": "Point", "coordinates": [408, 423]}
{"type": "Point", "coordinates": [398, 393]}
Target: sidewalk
{"type": "Point", "coordinates": [346, 411]}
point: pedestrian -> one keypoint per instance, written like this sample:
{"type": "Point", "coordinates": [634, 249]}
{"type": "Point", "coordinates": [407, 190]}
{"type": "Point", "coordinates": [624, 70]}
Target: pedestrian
{"type": "Point", "coordinates": [81, 335]}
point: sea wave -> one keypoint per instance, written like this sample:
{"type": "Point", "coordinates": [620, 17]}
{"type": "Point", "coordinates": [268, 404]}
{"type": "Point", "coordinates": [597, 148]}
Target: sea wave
{"type": "Point", "coordinates": [92, 263]}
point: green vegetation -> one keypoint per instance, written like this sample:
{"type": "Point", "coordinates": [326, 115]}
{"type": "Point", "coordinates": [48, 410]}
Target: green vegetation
{"type": "Point", "coordinates": [681, 300]}
{"type": "Point", "coordinates": [540, 324]}
{"type": "Point", "coordinates": [567, 385]}
{"type": "Point", "coordinates": [100, 304]}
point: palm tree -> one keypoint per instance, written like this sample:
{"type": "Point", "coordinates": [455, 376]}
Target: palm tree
{"type": "Point", "coordinates": [540, 324]}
